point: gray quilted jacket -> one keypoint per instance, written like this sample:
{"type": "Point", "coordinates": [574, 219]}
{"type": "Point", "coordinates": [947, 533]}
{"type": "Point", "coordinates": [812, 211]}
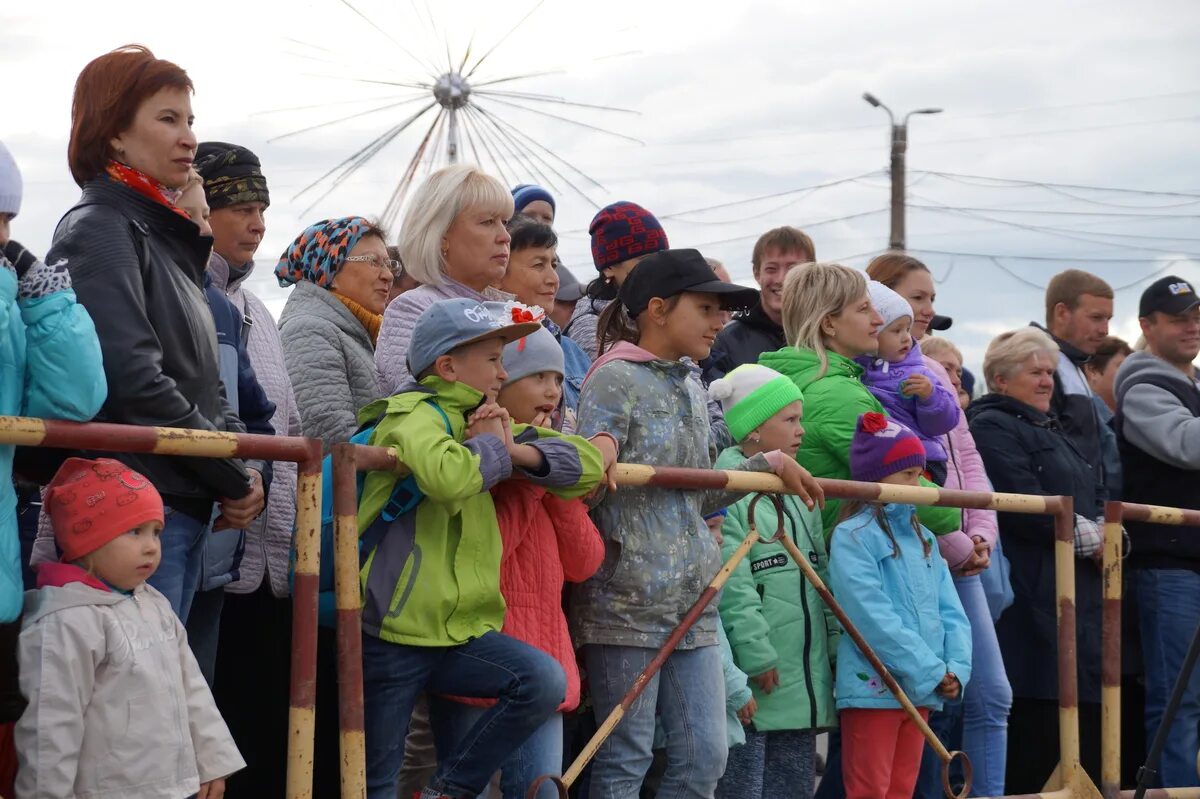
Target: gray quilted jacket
{"type": "Point", "coordinates": [330, 360]}
{"type": "Point", "coordinates": [269, 538]}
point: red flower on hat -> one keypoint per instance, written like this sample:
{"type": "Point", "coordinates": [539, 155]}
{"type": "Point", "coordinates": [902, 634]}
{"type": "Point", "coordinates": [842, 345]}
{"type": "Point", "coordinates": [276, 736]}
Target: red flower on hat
{"type": "Point", "coordinates": [520, 315]}
{"type": "Point", "coordinates": [873, 423]}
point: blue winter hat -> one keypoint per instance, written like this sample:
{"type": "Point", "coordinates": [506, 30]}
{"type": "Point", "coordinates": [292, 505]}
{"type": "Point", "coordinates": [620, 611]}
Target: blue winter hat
{"type": "Point", "coordinates": [528, 193]}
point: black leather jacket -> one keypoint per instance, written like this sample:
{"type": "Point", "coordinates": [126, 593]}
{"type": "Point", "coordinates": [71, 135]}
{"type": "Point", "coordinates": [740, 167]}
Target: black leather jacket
{"type": "Point", "coordinates": [138, 268]}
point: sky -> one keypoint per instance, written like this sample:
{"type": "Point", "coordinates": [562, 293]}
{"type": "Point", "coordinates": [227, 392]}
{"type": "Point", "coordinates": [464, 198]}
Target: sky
{"type": "Point", "coordinates": [734, 111]}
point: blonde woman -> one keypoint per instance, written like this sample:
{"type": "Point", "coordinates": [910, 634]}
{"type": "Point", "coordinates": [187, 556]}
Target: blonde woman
{"type": "Point", "coordinates": [454, 242]}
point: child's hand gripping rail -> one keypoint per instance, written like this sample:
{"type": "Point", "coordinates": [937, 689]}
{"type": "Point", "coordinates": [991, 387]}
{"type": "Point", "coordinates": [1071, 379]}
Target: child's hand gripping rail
{"type": "Point", "coordinates": [689, 618]}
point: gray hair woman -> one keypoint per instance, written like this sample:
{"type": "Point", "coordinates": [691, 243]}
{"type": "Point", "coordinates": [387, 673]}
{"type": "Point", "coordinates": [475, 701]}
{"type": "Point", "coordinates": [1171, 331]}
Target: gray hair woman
{"type": "Point", "coordinates": [453, 242]}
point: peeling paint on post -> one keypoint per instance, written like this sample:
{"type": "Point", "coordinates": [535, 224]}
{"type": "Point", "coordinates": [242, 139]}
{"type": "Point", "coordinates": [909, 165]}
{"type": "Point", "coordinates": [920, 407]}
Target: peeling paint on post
{"type": "Point", "coordinates": [349, 622]}
{"type": "Point", "coordinates": [305, 588]}
{"type": "Point", "coordinates": [1110, 690]}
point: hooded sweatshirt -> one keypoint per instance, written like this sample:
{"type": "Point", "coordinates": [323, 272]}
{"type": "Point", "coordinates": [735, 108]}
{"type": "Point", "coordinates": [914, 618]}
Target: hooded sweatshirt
{"type": "Point", "coordinates": [1158, 424]}
{"type": "Point", "coordinates": [118, 708]}
{"type": "Point", "coordinates": [928, 418]}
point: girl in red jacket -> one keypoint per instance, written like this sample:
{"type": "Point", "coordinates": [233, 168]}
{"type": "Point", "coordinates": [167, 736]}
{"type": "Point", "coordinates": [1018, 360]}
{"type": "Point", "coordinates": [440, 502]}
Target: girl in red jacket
{"type": "Point", "coordinates": [547, 540]}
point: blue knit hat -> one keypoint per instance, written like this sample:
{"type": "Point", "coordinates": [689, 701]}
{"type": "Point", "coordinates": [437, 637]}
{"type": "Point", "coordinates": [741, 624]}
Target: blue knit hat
{"type": "Point", "coordinates": [528, 193]}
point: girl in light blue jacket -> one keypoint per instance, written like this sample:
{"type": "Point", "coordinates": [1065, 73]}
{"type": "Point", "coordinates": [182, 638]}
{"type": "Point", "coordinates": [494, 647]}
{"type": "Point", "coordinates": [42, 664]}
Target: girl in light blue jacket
{"type": "Point", "coordinates": [890, 578]}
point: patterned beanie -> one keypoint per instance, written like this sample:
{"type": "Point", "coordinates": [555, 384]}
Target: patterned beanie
{"type": "Point", "coordinates": [232, 174]}
{"type": "Point", "coordinates": [91, 502]}
{"type": "Point", "coordinates": [528, 193]}
{"type": "Point", "coordinates": [622, 231]}
{"type": "Point", "coordinates": [10, 183]}
{"type": "Point", "coordinates": [319, 252]}
{"type": "Point", "coordinates": [882, 447]}
{"type": "Point", "coordinates": [750, 395]}
{"type": "Point", "coordinates": [887, 303]}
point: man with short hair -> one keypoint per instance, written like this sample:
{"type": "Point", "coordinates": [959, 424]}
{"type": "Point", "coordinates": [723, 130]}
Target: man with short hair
{"type": "Point", "coordinates": [1079, 306]}
{"type": "Point", "coordinates": [760, 329]}
{"type": "Point", "coordinates": [1158, 426]}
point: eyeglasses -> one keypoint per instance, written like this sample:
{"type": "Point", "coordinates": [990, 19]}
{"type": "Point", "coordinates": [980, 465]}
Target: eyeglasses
{"type": "Point", "coordinates": [388, 265]}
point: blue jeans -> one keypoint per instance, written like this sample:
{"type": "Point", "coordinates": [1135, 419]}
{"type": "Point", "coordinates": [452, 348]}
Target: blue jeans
{"type": "Point", "coordinates": [688, 694]}
{"type": "Point", "coordinates": [833, 785]}
{"type": "Point", "coordinates": [542, 752]}
{"type": "Point", "coordinates": [528, 684]}
{"type": "Point", "coordinates": [984, 709]}
{"type": "Point", "coordinates": [780, 764]}
{"type": "Point", "coordinates": [178, 574]}
{"type": "Point", "coordinates": [1169, 611]}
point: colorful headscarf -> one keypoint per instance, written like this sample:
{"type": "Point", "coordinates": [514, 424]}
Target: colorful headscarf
{"type": "Point", "coordinates": [318, 253]}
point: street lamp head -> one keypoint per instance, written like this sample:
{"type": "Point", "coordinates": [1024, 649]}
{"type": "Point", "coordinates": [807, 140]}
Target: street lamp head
{"type": "Point", "coordinates": [872, 99]}
{"type": "Point", "coordinates": [927, 111]}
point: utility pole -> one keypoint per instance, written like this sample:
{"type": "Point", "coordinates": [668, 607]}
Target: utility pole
{"type": "Point", "coordinates": [896, 238]}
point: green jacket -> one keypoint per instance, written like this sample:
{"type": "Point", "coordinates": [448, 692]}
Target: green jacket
{"type": "Point", "coordinates": [775, 619]}
{"type": "Point", "coordinates": [832, 404]}
{"type": "Point", "coordinates": [434, 577]}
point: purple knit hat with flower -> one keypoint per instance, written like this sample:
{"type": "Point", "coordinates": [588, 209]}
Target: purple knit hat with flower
{"type": "Point", "coordinates": [882, 447]}
{"type": "Point", "coordinates": [622, 231]}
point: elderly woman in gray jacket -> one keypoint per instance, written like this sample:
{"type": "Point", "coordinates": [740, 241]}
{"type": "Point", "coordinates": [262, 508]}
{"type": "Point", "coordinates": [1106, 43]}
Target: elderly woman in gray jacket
{"type": "Point", "coordinates": [341, 275]}
{"type": "Point", "coordinates": [453, 241]}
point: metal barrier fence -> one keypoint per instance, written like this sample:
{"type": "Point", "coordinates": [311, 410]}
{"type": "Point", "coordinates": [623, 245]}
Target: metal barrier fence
{"type": "Point", "coordinates": [1068, 782]}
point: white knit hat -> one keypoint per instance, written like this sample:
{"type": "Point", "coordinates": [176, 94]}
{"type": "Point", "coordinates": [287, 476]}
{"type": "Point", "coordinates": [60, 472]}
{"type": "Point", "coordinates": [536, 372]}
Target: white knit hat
{"type": "Point", "coordinates": [750, 395]}
{"type": "Point", "coordinates": [10, 183]}
{"type": "Point", "coordinates": [888, 304]}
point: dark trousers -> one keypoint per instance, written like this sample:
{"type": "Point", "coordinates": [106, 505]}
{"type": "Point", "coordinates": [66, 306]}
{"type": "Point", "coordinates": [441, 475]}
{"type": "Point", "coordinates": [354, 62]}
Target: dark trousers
{"type": "Point", "coordinates": [1033, 743]}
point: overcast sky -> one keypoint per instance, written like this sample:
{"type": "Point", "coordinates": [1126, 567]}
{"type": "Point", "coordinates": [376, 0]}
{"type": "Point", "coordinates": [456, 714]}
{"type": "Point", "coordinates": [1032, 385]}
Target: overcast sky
{"type": "Point", "coordinates": [733, 101]}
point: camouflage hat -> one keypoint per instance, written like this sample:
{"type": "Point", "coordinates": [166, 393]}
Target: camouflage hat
{"type": "Point", "coordinates": [232, 174]}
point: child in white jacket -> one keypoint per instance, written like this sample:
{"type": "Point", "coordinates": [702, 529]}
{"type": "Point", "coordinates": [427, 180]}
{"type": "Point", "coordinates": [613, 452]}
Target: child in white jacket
{"type": "Point", "coordinates": [118, 708]}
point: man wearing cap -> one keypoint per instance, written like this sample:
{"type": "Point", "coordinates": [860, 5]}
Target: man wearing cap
{"type": "Point", "coordinates": [1158, 427]}
{"type": "Point", "coordinates": [255, 625]}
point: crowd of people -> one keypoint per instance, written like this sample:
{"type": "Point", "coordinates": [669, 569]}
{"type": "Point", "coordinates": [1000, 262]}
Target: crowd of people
{"type": "Point", "coordinates": [149, 655]}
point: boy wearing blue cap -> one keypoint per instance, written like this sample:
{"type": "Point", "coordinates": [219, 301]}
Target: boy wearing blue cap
{"type": "Point", "coordinates": [432, 608]}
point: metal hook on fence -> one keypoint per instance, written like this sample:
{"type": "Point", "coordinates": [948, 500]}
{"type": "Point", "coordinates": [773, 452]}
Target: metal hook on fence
{"type": "Point", "coordinates": [639, 684]}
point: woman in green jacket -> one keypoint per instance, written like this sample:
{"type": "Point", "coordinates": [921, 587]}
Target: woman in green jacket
{"type": "Point", "coordinates": [780, 632]}
{"type": "Point", "coordinates": [828, 321]}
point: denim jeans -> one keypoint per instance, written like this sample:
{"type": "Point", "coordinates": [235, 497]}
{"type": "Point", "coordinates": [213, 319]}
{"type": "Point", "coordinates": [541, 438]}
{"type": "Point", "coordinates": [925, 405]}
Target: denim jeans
{"type": "Point", "coordinates": [528, 684]}
{"type": "Point", "coordinates": [542, 752]}
{"type": "Point", "coordinates": [833, 785]}
{"type": "Point", "coordinates": [1169, 611]}
{"type": "Point", "coordinates": [780, 764]}
{"type": "Point", "coordinates": [984, 709]}
{"type": "Point", "coordinates": [178, 574]}
{"type": "Point", "coordinates": [688, 696]}
{"type": "Point", "coordinates": [204, 629]}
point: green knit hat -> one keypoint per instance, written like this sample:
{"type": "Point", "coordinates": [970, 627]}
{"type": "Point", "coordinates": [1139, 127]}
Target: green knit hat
{"type": "Point", "coordinates": [750, 395]}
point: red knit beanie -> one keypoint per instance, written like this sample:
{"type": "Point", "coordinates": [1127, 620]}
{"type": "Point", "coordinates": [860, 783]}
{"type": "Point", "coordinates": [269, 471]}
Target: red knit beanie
{"type": "Point", "coordinates": [91, 502]}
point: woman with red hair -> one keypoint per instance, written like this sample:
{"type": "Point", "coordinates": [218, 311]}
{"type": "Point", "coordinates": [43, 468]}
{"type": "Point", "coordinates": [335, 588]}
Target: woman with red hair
{"type": "Point", "coordinates": [137, 264]}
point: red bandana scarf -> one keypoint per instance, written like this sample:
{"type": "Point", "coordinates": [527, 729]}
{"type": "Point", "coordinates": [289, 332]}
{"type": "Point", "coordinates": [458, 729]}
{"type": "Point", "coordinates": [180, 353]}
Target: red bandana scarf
{"type": "Point", "coordinates": [145, 185]}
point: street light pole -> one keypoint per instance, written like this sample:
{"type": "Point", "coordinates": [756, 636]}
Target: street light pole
{"type": "Point", "coordinates": [896, 238]}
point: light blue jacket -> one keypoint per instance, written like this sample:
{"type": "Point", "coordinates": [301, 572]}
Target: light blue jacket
{"type": "Point", "coordinates": [737, 691]}
{"type": "Point", "coordinates": [50, 367]}
{"type": "Point", "coordinates": [905, 607]}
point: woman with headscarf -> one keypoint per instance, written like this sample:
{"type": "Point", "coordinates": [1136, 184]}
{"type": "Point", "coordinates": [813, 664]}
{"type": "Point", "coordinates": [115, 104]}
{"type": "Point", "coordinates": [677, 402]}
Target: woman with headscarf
{"type": "Point", "coordinates": [341, 275]}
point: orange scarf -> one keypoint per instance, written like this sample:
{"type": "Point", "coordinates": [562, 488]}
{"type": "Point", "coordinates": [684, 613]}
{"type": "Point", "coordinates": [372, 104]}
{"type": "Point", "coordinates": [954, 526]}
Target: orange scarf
{"type": "Point", "coordinates": [370, 320]}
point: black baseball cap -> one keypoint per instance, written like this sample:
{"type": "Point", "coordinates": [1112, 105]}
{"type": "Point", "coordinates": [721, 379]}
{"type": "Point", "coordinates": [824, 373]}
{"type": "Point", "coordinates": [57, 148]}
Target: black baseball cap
{"type": "Point", "coordinates": [939, 322]}
{"type": "Point", "coordinates": [1170, 295]}
{"type": "Point", "coordinates": [669, 272]}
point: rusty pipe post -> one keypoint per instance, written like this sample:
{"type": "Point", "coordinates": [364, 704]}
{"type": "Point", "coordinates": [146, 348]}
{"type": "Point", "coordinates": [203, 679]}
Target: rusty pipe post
{"type": "Point", "coordinates": [639, 684]}
{"type": "Point", "coordinates": [305, 590]}
{"type": "Point", "coordinates": [946, 756]}
{"type": "Point", "coordinates": [1110, 690]}
{"type": "Point", "coordinates": [1068, 682]}
{"type": "Point", "coordinates": [348, 599]}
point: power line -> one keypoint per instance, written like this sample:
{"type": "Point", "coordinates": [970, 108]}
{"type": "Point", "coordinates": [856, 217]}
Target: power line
{"type": "Point", "coordinates": [1047, 258]}
{"type": "Point", "coordinates": [962, 178]}
{"type": "Point", "coordinates": [806, 226]}
{"type": "Point", "coordinates": [1059, 212]}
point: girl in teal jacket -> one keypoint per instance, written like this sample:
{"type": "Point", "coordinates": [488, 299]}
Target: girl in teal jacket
{"type": "Point", "coordinates": [895, 587]}
{"type": "Point", "coordinates": [780, 631]}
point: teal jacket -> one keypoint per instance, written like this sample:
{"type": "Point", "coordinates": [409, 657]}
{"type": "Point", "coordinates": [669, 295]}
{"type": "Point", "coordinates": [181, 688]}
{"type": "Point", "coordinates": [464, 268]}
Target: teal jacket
{"type": "Point", "coordinates": [737, 693]}
{"type": "Point", "coordinates": [775, 619]}
{"type": "Point", "coordinates": [833, 401]}
{"type": "Point", "coordinates": [906, 608]}
{"type": "Point", "coordinates": [51, 368]}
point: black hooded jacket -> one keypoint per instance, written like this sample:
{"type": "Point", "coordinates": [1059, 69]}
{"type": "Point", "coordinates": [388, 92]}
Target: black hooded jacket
{"type": "Point", "coordinates": [742, 341]}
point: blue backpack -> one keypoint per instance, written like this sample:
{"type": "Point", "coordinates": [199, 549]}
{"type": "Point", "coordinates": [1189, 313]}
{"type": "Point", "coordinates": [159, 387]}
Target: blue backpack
{"type": "Point", "coordinates": [405, 497]}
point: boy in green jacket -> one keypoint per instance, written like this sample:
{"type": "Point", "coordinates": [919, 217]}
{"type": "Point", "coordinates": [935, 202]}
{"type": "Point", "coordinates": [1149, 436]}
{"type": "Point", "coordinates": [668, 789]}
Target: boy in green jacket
{"type": "Point", "coordinates": [432, 608]}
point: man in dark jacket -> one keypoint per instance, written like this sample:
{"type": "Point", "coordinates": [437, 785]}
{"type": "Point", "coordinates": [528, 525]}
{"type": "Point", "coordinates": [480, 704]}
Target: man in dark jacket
{"type": "Point", "coordinates": [1079, 306]}
{"type": "Point", "coordinates": [760, 329]}
{"type": "Point", "coordinates": [1158, 426]}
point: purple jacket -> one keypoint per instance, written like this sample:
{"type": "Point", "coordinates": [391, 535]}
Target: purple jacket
{"type": "Point", "coordinates": [929, 418]}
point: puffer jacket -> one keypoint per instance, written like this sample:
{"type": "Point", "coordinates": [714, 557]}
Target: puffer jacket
{"type": "Point", "coordinates": [774, 618]}
{"type": "Point", "coordinates": [50, 368]}
{"type": "Point", "coordinates": [659, 553]}
{"type": "Point", "coordinates": [391, 351]}
{"type": "Point", "coordinates": [833, 401]}
{"type": "Point", "coordinates": [737, 692]}
{"type": "Point", "coordinates": [906, 608]}
{"type": "Point", "coordinates": [138, 267]}
{"type": "Point", "coordinates": [269, 537]}
{"type": "Point", "coordinates": [928, 418]}
{"type": "Point", "coordinates": [433, 578]}
{"type": "Point", "coordinates": [547, 541]}
{"type": "Point", "coordinates": [118, 708]}
{"type": "Point", "coordinates": [330, 360]}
